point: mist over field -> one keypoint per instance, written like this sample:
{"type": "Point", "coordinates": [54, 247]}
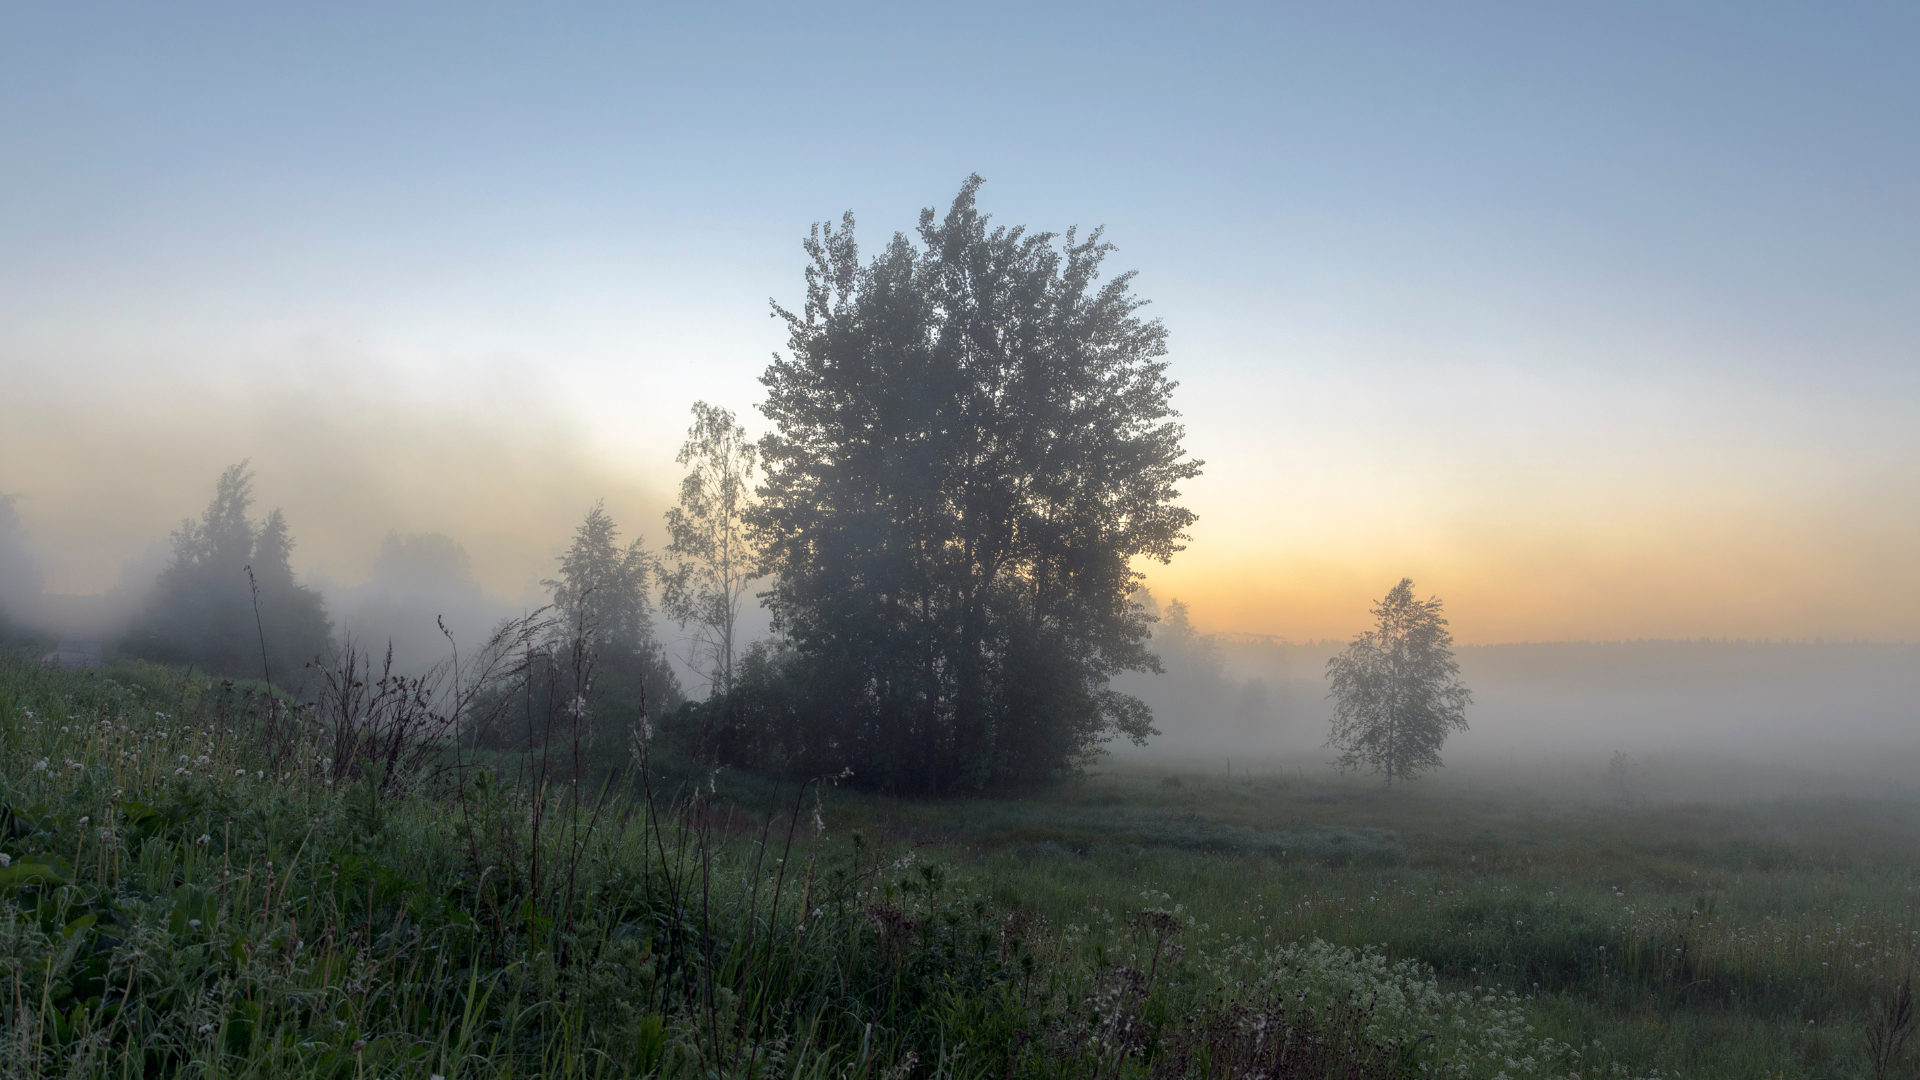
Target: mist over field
{"type": "Point", "coordinates": [1694, 716]}
{"type": "Point", "coordinates": [995, 542]}
{"type": "Point", "coordinates": [1780, 715]}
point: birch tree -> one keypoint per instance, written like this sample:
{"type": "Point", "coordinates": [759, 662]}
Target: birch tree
{"type": "Point", "coordinates": [1397, 691]}
{"type": "Point", "coordinates": [714, 559]}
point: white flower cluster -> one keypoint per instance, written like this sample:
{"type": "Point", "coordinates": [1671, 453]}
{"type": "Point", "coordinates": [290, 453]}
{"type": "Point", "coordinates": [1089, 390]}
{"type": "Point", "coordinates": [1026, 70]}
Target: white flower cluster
{"type": "Point", "coordinates": [1458, 1033]}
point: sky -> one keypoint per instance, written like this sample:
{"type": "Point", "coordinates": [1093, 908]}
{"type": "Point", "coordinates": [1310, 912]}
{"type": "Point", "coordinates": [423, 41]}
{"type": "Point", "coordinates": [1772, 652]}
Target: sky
{"type": "Point", "coordinates": [1597, 321]}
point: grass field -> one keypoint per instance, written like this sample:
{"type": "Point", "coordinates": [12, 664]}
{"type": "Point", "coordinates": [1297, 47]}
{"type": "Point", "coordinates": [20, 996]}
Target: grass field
{"type": "Point", "coordinates": [194, 888]}
{"type": "Point", "coordinates": [1745, 939]}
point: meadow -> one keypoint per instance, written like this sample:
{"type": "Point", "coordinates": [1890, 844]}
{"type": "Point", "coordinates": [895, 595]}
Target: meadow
{"type": "Point", "coordinates": [1715, 939]}
{"type": "Point", "coordinates": [195, 886]}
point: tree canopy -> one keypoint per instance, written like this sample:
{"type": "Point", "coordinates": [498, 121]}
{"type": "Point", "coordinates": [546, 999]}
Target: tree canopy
{"type": "Point", "coordinates": [603, 587]}
{"type": "Point", "coordinates": [418, 583]}
{"type": "Point", "coordinates": [973, 442]}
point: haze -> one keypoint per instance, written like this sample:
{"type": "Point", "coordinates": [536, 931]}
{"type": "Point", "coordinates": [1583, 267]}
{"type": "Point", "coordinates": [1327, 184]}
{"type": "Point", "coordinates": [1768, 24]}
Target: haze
{"type": "Point", "coordinates": [1596, 323]}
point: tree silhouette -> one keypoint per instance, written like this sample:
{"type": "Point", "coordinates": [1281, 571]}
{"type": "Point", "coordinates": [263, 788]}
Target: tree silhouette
{"type": "Point", "coordinates": [715, 559]}
{"type": "Point", "coordinates": [973, 442]}
{"type": "Point", "coordinates": [204, 610]}
{"type": "Point", "coordinates": [602, 595]}
{"type": "Point", "coordinates": [1396, 690]}
{"type": "Point", "coordinates": [20, 576]}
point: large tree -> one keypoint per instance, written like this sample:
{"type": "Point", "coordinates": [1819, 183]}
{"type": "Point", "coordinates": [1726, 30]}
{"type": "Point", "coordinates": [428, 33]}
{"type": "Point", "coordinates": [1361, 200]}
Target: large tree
{"type": "Point", "coordinates": [1396, 690]}
{"type": "Point", "coordinates": [973, 443]}
{"type": "Point", "coordinates": [228, 601]}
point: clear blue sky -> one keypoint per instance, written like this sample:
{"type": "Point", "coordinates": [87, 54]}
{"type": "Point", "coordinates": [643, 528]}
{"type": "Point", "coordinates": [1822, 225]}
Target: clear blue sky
{"type": "Point", "coordinates": [1595, 319]}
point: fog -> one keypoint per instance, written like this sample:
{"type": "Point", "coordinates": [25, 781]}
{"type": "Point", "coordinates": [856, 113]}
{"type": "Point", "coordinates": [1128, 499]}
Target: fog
{"type": "Point", "coordinates": [21, 578]}
{"type": "Point", "coordinates": [419, 594]}
{"type": "Point", "coordinates": [1756, 708]}
{"type": "Point", "coordinates": [1673, 711]}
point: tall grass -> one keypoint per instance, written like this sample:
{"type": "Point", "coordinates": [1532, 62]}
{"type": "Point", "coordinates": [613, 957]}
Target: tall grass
{"type": "Point", "coordinates": [198, 884]}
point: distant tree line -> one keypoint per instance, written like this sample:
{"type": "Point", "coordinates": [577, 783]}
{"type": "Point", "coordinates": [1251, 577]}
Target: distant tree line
{"type": "Point", "coordinates": [972, 447]}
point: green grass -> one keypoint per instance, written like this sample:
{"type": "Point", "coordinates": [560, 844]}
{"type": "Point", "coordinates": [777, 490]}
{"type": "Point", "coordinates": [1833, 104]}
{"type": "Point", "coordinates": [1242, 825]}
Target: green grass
{"type": "Point", "coordinates": [1709, 940]}
{"type": "Point", "coordinates": [191, 891]}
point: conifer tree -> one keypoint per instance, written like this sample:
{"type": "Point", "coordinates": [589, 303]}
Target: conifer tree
{"type": "Point", "coordinates": [228, 601]}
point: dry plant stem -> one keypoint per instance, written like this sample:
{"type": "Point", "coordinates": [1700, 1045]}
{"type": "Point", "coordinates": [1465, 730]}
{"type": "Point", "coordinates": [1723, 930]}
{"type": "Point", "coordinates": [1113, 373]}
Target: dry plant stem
{"type": "Point", "coordinates": [253, 587]}
{"type": "Point", "coordinates": [1890, 1028]}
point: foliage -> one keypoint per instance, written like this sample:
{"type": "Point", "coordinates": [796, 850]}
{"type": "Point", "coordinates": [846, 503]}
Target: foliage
{"type": "Point", "coordinates": [972, 442]}
{"type": "Point", "coordinates": [228, 601]}
{"type": "Point", "coordinates": [715, 560]}
{"type": "Point", "coordinates": [388, 730]}
{"type": "Point", "coordinates": [602, 587]}
{"type": "Point", "coordinates": [1396, 690]}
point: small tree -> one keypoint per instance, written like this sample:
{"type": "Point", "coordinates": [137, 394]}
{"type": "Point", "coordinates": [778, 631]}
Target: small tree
{"type": "Point", "coordinates": [605, 661]}
{"type": "Point", "coordinates": [1397, 690]}
{"type": "Point", "coordinates": [602, 587]}
{"type": "Point", "coordinates": [714, 558]}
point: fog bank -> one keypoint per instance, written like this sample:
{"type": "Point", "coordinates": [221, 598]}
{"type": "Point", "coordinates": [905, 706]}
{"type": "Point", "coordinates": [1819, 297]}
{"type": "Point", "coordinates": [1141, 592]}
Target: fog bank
{"type": "Point", "coordinates": [1848, 706]}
